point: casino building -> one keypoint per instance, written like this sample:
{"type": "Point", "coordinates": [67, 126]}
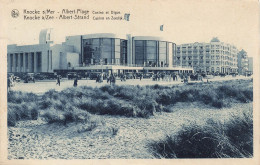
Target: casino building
{"type": "Point", "coordinates": [94, 52]}
{"type": "Point", "coordinates": [42, 57]}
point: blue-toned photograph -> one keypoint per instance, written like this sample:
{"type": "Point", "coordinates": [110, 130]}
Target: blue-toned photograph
{"type": "Point", "coordinates": [168, 80]}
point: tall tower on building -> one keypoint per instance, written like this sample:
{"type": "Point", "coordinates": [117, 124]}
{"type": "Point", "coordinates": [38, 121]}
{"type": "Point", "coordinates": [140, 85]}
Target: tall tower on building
{"type": "Point", "coordinates": [46, 36]}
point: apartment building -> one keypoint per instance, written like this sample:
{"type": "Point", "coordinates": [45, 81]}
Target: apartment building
{"type": "Point", "coordinates": [210, 57]}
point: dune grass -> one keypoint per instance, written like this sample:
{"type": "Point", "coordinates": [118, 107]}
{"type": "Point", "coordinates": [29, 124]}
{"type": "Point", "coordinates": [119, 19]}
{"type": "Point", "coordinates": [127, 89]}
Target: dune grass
{"type": "Point", "coordinates": [232, 139]}
{"type": "Point", "coordinates": [129, 101]}
{"type": "Point", "coordinates": [21, 106]}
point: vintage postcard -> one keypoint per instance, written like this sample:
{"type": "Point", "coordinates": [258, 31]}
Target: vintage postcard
{"type": "Point", "coordinates": [127, 81]}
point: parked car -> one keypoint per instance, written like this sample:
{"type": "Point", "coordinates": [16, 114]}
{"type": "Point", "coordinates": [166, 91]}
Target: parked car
{"type": "Point", "coordinates": [129, 75]}
{"type": "Point", "coordinates": [94, 75]}
{"type": "Point", "coordinates": [81, 75]}
{"type": "Point", "coordinates": [72, 75]}
{"type": "Point", "coordinates": [29, 78]}
{"type": "Point", "coordinates": [194, 77]}
{"type": "Point", "coordinates": [16, 79]}
{"type": "Point", "coordinates": [137, 75]}
{"type": "Point", "coordinates": [39, 76]}
{"type": "Point", "coordinates": [222, 74]}
{"type": "Point", "coordinates": [148, 75]}
{"type": "Point", "coordinates": [216, 74]}
{"type": "Point", "coordinates": [203, 75]}
{"type": "Point", "coordinates": [233, 74]}
{"type": "Point", "coordinates": [51, 76]}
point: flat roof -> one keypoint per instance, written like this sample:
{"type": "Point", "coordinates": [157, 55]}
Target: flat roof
{"type": "Point", "coordinates": [99, 67]}
{"type": "Point", "coordinates": [100, 35]}
{"type": "Point", "coordinates": [153, 38]}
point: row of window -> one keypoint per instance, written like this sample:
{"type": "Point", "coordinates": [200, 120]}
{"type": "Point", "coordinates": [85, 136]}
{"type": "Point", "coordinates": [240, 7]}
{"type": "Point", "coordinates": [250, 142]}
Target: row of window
{"type": "Point", "coordinates": [108, 49]}
{"type": "Point", "coordinates": [207, 63]}
{"type": "Point", "coordinates": [142, 43]}
{"type": "Point", "coordinates": [205, 47]}
{"type": "Point", "coordinates": [26, 60]}
{"type": "Point", "coordinates": [151, 53]}
{"type": "Point", "coordinates": [207, 51]}
{"type": "Point", "coordinates": [207, 57]}
{"type": "Point", "coordinates": [201, 67]}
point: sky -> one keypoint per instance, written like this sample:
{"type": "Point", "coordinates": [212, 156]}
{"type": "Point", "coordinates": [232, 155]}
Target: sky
{"type": "Point", "coordinates": [185, 21]}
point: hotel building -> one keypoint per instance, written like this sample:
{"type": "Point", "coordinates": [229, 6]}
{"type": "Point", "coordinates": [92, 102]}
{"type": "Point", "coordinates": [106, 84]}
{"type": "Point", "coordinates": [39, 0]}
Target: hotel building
{"type": "Point", "coordinates": [210, 57]}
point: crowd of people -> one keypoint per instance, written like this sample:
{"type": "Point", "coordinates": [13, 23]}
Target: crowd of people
{"type": "Point", "coordinates": [111, 78]}
{"type": "Point", "coordinates": [100, 78]}
{"type": "Point", "coordinates": [160, 76]}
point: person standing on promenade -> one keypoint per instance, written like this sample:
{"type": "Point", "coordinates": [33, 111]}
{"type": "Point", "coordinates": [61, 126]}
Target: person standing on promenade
{"type": "Point", "coordinates": [124, 77]}
{"type": "Point", "coordinates": [101, 77]}
{"type": "Point", "coordinates": [8, 84]}
{"type": "Point", "coordinates": [114, 80]}
{"type": "Point", "coordinates": [58, 80]}
{"type": "Point", "coordinates": [108, 78]}
{"type": "Point", "coordinates": [111, 78]}
{"type": "Point", "coordinates": [174, 77]}
{"type": "Point", "coordinates": [75, 84]}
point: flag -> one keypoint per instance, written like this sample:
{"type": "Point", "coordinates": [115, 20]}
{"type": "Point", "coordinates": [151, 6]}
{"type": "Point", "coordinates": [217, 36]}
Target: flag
{"type": "Point", "coordinates": [161, 27]}
{"type": "Point", "coordinates": [126, 17]}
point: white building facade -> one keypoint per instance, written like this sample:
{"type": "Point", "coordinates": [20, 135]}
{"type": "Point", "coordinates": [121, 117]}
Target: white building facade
{"type": "Point", "coordinates": [94, 51]}
{"type": "Point", "coordinates": [42, 57]}
{"type": "Point", "coordinates": [210, 57]}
